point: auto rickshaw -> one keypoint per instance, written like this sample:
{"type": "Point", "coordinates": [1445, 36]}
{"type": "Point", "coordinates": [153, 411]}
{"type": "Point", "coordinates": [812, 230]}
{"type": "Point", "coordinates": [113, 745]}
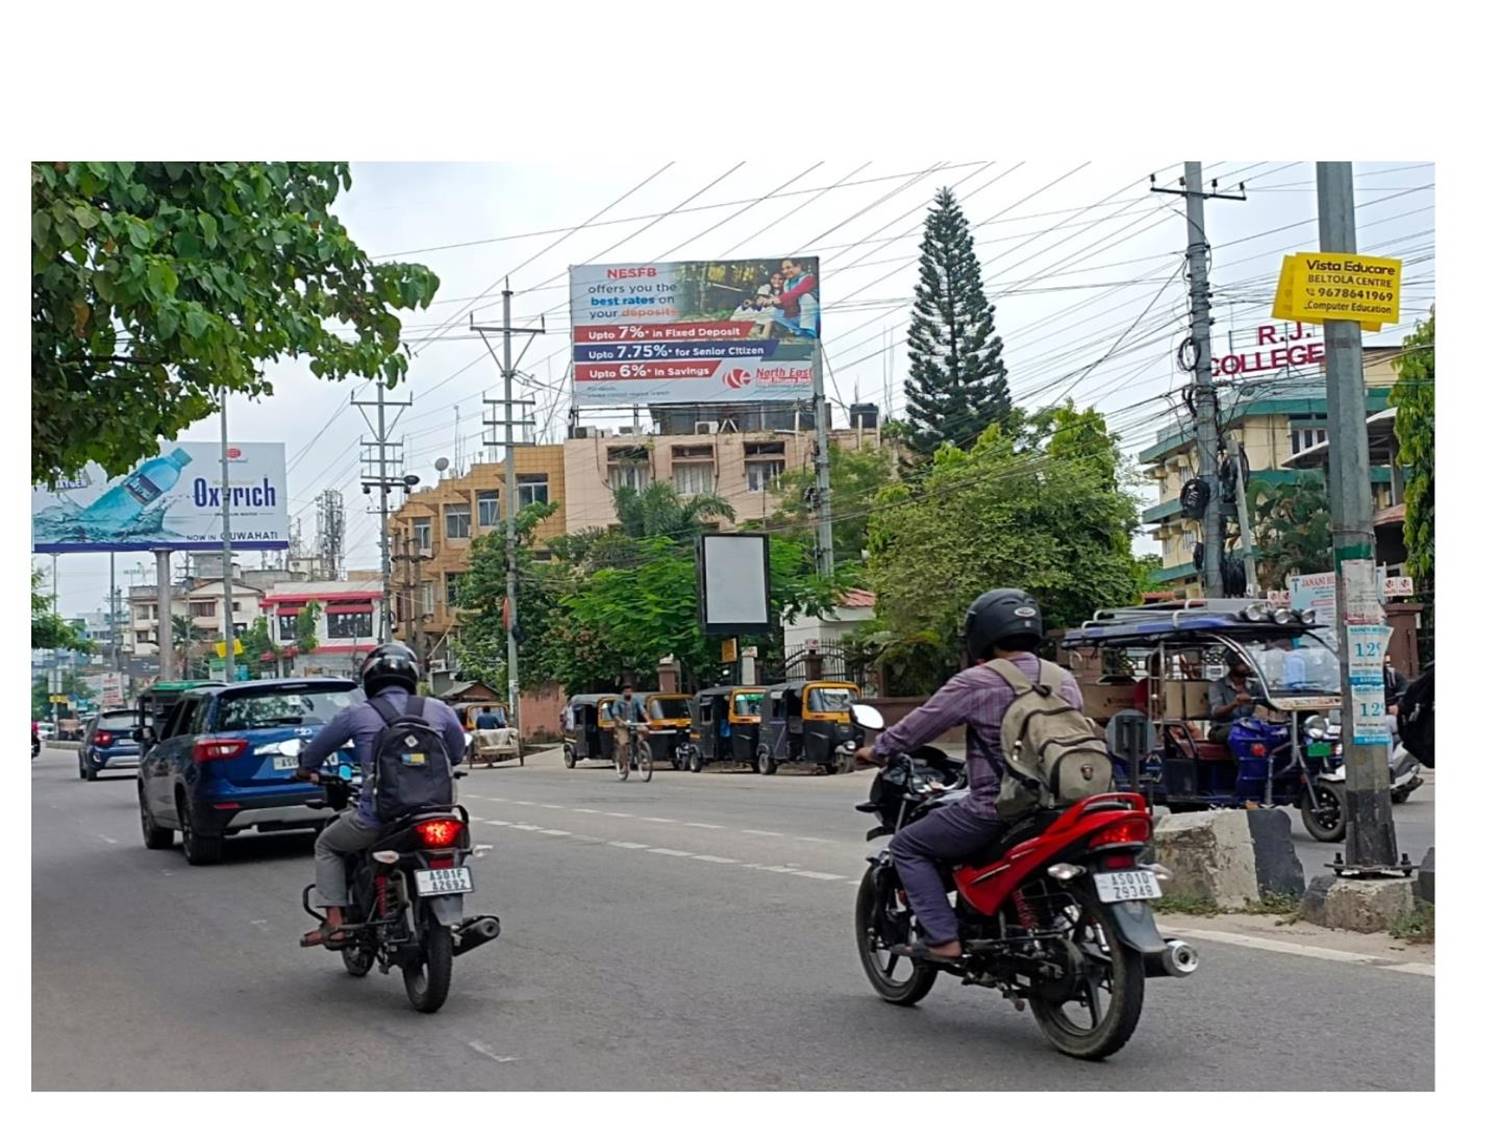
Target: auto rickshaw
{"type": "Point", "coordinates": [669, 728]}
{"type": "Point", "coordinates": [154, 706]}
{"type": "Point", "coordinates": [592, 738]}
{"type": "Point", "coordinates": [1286, 755]}
{"type": "Point", "coordinates": [726, 722]}
{"type": "Point", "coordinates": [807, 722]}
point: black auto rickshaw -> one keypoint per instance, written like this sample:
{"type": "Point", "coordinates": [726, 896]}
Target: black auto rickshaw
{"type": "Point", "coordinates": [669, 728]}
{"type": "Point", "coordinates": [726, 721]}
{"type": "Point", "coordinates": [807, 722]}
{"type": "Point", "coordinates": [154, 706]}
{"type": "Point", "coordinates": [592, 738]}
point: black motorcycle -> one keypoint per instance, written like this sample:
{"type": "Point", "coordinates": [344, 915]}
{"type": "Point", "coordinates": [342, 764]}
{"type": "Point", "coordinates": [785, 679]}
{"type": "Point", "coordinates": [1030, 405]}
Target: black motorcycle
{"type": "Point", "coordinates": [406, 898]}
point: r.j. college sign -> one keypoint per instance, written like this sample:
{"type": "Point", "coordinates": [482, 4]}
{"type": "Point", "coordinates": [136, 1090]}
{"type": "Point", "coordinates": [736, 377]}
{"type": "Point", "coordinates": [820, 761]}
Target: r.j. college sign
{"type": "Point", "coordinates": [1277, 348]}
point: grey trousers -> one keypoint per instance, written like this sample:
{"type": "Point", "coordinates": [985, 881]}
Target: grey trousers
{"type": "Point", "coordinates": [342, 836]}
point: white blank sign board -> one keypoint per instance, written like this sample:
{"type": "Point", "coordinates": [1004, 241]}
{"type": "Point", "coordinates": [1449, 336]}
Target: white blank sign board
{"type": "Point", "coordinates": [734, 578]}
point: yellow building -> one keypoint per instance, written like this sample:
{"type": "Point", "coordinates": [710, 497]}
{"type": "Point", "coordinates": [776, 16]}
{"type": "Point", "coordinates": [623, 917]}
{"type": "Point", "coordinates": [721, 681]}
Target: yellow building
{"type": "Point", "coordinates": [1274, 421]}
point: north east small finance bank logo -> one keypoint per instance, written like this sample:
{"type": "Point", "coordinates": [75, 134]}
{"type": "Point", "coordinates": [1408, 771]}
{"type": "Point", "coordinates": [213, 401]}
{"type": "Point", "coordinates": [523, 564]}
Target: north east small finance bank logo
{"type": "Point", "coordinates": [737, 379]}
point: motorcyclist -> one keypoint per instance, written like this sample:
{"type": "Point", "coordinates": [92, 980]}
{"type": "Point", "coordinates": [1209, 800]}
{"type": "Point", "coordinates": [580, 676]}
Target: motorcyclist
{"type": "Point", "coordinates": [389, 672]}
{"type": "Point", "coordinates": [1005, 624]}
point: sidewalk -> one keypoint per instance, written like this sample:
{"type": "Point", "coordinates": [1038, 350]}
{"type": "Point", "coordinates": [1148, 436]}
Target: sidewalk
{"type": "Point", "coordinates": [1269, 932]}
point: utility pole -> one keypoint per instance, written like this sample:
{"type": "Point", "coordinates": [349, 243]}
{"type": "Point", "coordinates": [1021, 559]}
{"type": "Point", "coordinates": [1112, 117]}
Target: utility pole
{"type": "Point", "coordinates": [379, 468]}
{"type": "Point", "coordinates": [821, 484]}
{"type": "Point", "coordinates": [166, 658]}
{"type": "Point", "coordinates": [1242, 509]}
{"type": "Point", "coordinates": [114, 609]}
{"type": "Point", "coordinates": [1205, 402]}
{"type": "Point", "coordinates": [412, 557]}
{"type": "Point", "coordinates": [1372, 833]}
{"type": "Point", "coordinates": [228, 554]}
{"type": "Point", "coordinates": [510, 445]}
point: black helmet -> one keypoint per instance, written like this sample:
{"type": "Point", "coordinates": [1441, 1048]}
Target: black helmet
{"type": "Point", "coordinates": [389, 665]}
{"type": "Point", "coordinates": [1001, 615]}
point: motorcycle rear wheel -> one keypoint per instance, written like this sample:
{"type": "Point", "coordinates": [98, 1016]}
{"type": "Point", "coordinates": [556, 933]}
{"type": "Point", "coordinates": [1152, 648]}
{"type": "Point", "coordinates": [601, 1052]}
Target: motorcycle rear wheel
{"type": "Point", "coordinates": [1124, 978]}
{"type": "Point", "coordinates": [428, 978]}
{"type": "Point", "coordinates": [881, 966]}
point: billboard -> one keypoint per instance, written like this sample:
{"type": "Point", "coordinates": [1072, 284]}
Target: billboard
{"type": "Point", "coordinates": [734, 584]}
{"type": "Point", "coordinates": [694, 332]}
{"type": "Point", "coordinates": [169, 502]}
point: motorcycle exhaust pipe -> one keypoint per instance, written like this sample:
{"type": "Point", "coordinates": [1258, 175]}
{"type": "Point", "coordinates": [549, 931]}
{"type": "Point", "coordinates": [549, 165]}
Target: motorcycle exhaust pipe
{"type": "Point", "coordinates": [475, 932]}
{"type": "Point", "coordinates": [1180, 958]}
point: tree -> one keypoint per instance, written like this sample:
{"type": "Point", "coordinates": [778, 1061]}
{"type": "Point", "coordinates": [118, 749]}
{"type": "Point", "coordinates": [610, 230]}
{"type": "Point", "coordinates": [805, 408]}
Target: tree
{"type": "Point", "coordinates": [658, 510]}
{"type": "Point", "coordinates": [71, 683]}
{"type": "Point", "coordinates": [957, 385]}
{"type": "Point", "coordinates": [1055, 524]}
{"type": "Point", "coordinates": [1415, 398]}
{"type": "Point", "coordinates": [258, 644]}
{"type": "Point", "coordinates": [48, 629]}
{"type": "Point", "coordinates": [480, 641]}
{"type": "Point", "coordinates": [1293, 532]}
{"type": "Point", "coordinates": [155, 286]}
{"type": "Point", "coordinates": [307, 628]}
{"type": "Point", "coordinates": [855, 476]}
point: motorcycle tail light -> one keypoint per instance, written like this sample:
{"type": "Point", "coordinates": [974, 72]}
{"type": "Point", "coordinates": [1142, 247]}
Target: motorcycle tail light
{"type": "Point", "coordinates": [1134, 830]}
{"type": "Point", "coordinates": [217, 749]}
{"type": "Point", "coordinates": [438, 833]}
{"type": "Point", "coordinates": [1119, 861]}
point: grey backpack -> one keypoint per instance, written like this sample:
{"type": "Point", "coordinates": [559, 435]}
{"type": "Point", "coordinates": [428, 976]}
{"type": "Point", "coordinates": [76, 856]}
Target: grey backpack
{"type": "Point", "coordinates": [1052, 753]}
{"type": "Point", "coordinates": [411, 762]}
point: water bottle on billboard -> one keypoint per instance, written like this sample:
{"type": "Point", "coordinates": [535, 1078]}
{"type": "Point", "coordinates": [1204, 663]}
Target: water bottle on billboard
{"type": "Point", "coordinates": [122, 503]}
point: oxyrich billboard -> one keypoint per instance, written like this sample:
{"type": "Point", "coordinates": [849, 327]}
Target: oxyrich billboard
{"type": "Point", "coordinates": [172, 501]}
{"type": "Point", "coordinates": [692, 332]}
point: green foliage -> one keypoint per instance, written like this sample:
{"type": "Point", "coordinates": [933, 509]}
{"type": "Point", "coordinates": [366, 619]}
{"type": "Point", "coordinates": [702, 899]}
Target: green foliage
{"type": "Point", "coordinates": [257, 643]}
{"type": "Point", "coordinates": [1057, 524]}
{"type": "Point", "coordinates": [307, 628]}
{"type": "Point", "coordinates": [1293, 530]}
{"type": "Point", "coordinates": [480, 641]}
{"type": "Point", "coordinates": [154, 286]}
{"type": "Point", "coordinates": [48, 630]}
{"type": "Point", "coordinates": [855, 477]}
{"type": "Point", "coordinates": [658, 510]}
{"type": "Point", "coordinates": [1415, 398]}
{"type": "Point", "coordinates": [957, 383]}
{"type": "Point", "coordinates": [1418, 925]}
{"type": "Point", "coordinates": [72, 684]}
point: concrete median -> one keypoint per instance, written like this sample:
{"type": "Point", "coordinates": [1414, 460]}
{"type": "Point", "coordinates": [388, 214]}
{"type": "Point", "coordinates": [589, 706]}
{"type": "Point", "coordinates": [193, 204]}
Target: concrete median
{"type": "Point", "coordinates": [1229, 857]}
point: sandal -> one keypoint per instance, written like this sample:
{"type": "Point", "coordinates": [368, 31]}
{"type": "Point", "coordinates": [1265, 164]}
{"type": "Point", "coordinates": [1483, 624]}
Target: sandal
{"type": "Point", "coordinates": [918, 951]}
{"type": "Point", "coordinates": [326, 936]}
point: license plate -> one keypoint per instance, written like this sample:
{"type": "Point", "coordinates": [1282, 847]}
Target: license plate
{"type": "Point", "coordinates": [285, 763]}
{"type": "Point", "coordinates": [1319, 749]}
{"type": "Point", "coordinates": [445, 881]}
{"type": "Point", "coordinates": [1126, 886]}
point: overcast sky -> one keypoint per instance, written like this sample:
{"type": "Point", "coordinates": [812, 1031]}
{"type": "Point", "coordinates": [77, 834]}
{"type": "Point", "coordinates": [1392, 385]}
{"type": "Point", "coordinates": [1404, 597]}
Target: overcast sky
{"type": "Point", "coordinates": [1084, 263]}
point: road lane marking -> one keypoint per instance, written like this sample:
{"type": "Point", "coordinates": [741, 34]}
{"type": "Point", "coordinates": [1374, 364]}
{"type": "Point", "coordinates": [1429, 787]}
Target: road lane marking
{"type": "Point", "coordinates": [625, 815]}
{"type": "Point", "coordinates": [626, 844]}
{"type": "Point", "coordinates": [516, 802]}
{"type": "Point", "coordinates": [1269, 945]}
{"type": "Point", "coordinates": [489, 1054]}
{"type": "Point", "coordinates": [554, 832]}
{"type": "Point", "coordinates": [696, 824]}
{"type": "Point", "coordinates": [545, 806]}
{"type": "Point", "coordinates": [667, 851]}
{"type": "Point", "coordinates": [758, 832]}
{"type": "Point", "coordinates": [813, 839]}
{"type": "Point", "coordinates": [109, 839]}
{"type": "Point", "coordinates": [591, 811]}
{"type": "Point", "coordinates": [715, 859]}
{"type": "Point", "coordinates": [660, 819]}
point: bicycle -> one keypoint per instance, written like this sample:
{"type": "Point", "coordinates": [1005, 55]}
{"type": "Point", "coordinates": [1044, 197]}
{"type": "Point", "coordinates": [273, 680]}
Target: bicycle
{"type": "Point", "coordinates": [637, 755]}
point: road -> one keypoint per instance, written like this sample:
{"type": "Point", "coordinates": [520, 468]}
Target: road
{"type": "Point", "coordinates": [693, 933]}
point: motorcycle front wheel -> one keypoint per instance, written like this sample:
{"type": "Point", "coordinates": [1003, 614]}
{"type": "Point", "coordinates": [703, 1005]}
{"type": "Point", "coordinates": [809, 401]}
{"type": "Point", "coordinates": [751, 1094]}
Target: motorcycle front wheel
{"type": "Point", "coordinates": [1327, 820]}
{"type": "Point", "coordinates": [896, 979]}
{"type": "Point", "coordinates": [427, 979]}
{"type": "Point", "coordinates": [1077, 1024]}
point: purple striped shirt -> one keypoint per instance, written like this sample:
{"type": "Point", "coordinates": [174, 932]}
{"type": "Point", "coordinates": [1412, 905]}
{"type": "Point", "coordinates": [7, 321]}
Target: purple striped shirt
{"type": "Point", "coordinates": [977, 697]}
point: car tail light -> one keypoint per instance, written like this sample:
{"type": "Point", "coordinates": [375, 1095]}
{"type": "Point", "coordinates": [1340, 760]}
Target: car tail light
{"type": "Point", "coordinates": [1131, 830]}
{"type": "Point", "coordinates": [102, 738]}
{"type": "Point", "coordinates": [438, 833]}
{"type": "Point", "coordinates": [217, 749]}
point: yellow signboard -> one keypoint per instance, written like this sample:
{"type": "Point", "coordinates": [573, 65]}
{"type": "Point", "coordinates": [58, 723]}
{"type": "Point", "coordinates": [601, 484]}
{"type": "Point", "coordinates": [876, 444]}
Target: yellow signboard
{"type": "Point", "coordinates": [1322, 286]}
{"type": "Point", "coordinates": [239, 648]}
{"type": "Point", "coordinates": [57, 699]}
{"type": "Point", "coordinates": [728, 651]}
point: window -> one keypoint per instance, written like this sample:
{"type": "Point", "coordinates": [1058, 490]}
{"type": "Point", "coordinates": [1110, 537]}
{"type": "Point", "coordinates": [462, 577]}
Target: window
{"type": "Point", "coordinates": [489, 507]}
{"type": "Point", "coordinates": [765, 449]}
{"type": "Point", "coordinates": [421, 534]}
{"type": "Point", "coordinates": [236, 606]}
{"type": "Point", "coordinates": [279, 709]}
{"type": "Point", "coordinates": [692, 453]}
{"type": "Point", "coordinates": [202, 609]}
{"type": "Point", "coordinates": [145, 613]}
{"type": "Point", "coordinates": [456, 521]}
{"type": "Point", "coordinates": [142, 637]}
{"type": "Point", "coordinates": [346, 625]}
{"type": "Point", "coordinates": [542, 556]}
{"type": "Point", "coordinates": [531, 488]}
{"type": "Point", "coordinates": [1308, 432]}
{"type": "Point", "coordinates": [452, 589]}
{"type": "Point", "coordinates": [761, 476]}
{"type": "Point", "coordinates": [628, 476]}
{"type": "Point", "coordinates": [429, 598]}
{"type": "Point", "coordinates": [692, 478]}
{"type": "Point", "coordinates": [288, 626]}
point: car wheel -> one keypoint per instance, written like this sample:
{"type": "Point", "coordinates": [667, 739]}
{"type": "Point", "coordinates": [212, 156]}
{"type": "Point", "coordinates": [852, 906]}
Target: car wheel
{"type": "Point", "coordinates": [90, 773]}
{"type": "Point", "coordinates": [200, 850]}
{"type": "Point", "coordinates": [83, 772]}
{"type": "Point", "coordinates": [152, 836]}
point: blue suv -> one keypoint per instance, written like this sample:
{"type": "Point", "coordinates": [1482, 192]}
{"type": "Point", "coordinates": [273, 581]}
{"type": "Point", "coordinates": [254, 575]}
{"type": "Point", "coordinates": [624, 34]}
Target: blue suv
{"type": "Point", "coordinates": [108, 744]}
{"type": "Point", "coordinates": [225, 762]}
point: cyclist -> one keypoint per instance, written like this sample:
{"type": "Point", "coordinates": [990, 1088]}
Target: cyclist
{"type": "Point", "coordinates": [625, 710]}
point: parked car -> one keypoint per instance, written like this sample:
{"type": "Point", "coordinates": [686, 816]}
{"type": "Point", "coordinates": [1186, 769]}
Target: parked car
{"type": "Point", "coordinates": [46, 731]}
{"type": "Point", "coordinates": [226, 759]}
{"type": "Point", "coordinates": [108, 744]}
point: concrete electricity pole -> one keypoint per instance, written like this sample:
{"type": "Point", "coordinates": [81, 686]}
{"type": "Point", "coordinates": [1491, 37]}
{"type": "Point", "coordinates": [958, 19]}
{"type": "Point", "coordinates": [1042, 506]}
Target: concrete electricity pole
{"type": "Point", "coordinates": [510, 445]}
{"type": "Point", "coordinates": [1205, 402]}
{"type": "Point", "coordinates": [228, 553]}
{"type": "Point", "coordinates": [166, 661]}
{"type": "Point", "coordinates": [381, 469]}
{"type": "Point", "coordinates": [1372, 834]}
{"type": "Point", "coordinates": [821, 484]}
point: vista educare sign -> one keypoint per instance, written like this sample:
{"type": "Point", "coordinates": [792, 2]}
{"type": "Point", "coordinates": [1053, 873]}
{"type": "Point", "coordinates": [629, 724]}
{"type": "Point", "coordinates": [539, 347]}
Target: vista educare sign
{"type": "Point", "coordinates": [169, 502]}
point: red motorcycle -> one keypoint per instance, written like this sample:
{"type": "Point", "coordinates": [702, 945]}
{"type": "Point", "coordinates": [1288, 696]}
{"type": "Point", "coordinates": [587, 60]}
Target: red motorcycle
{"type": "Point", "coordinates": [1053, 913]}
